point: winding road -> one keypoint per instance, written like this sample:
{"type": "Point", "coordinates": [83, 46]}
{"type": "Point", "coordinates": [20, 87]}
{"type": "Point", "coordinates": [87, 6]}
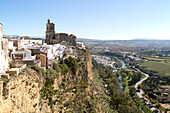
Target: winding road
{"type": "Point", "coordinates": [141, 92]}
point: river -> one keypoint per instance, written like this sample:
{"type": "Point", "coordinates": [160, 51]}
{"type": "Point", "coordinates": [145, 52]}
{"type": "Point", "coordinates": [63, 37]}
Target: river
{"type": "Point", "coordinates": [120, 76]}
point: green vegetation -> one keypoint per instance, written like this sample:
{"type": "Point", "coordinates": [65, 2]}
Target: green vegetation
{"type": "Point", "coordinates": [159, 72]}
{"type": "Point", "coordinates": [120, 101]}
{"type": "Point", "coordinates": [64, 66]}
{"type": "Point", "coordinates": [151, 84]}
{"type": "Point", "coordinates": [159, 68]}
{"type": "Point", "coordinates": [139, 86]}
{"type": "Point", "coordinates": [166, 86]}
{"type": "Point", "coordinates": [110, 54]}
{"type": "Point", "coordinates": [163, 59]}
{"type": "Point", "coordinates": [72, 64]}
{"type": "Point", "coordinates": [118, 63]}
{"type": "Point", "coordinates": [5, 80]}
{"type": "Point", "coordinates": [110, 98]}
{"type": "Point", "coordinates": [56, 67]}
{"type": "Point", "coordinates": [138, 101]}
{"type": "Point", "coordinates": [130, 78]}
{"type": "Point", "coordinates": [135, 62]}
{"type": "Point", "coordinates": [77, 101]}
{"type": "Point", "coordinates": [150, 53]}
{"type": "Point", "coordinates": [48, 74]}
{"type": "Point", "coordinates": [103, 97]}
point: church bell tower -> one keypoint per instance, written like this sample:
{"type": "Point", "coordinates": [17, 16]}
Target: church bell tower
{"type": "Point", "coordinates": [50, 32]}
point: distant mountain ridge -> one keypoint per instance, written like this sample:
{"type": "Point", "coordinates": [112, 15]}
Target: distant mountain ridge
{"type": "Point", "coordinates": [43, 37]}
{"type": "Point", "coordinates": [87, 39]}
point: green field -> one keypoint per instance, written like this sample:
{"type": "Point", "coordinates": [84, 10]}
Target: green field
{"type": "Point", "coordinates": [164, 59]}
{"type": "Point", "coordinates": [163, 68]}
{"type": "Point", "coordinates": [166, 86]}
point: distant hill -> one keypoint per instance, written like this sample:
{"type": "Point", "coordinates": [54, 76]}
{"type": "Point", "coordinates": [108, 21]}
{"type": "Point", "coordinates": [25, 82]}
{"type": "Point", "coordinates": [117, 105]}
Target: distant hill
{"type": "Point", "coordinates": [42, 37]}
{"type": "Point", "coordinates": [147, 43]}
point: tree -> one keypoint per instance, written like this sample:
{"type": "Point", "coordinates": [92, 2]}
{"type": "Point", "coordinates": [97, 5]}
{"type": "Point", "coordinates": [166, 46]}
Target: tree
{"type": "Point", "coordinates": [72, 64]}
{"type": "Point", "coordinates": [139, 86]}
{"type": "Point", "coordinates": [56, 67]}
{"type": "Point", "coordinates": [117, 74]}
{"type": "Point", "coordinates": [77, 101]}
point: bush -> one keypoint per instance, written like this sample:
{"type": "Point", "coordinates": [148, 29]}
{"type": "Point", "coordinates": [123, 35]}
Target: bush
{"type": "Point", "coordinates": [38, 70]}
{"type": "Point", "coordinates": [139, 86]}
{"type": "Point", "coordinates": [64, 68]}
{"type": "Point", "coordinates": [56, 67]}
{"type": "Point", "coordinates": [51, 75]}
{"type": "Point", "coordinates": [72, 64]}
{"type": "Point", "coordinates": [5, 80]}
{"type": "Point", "coordinates": [157, 106]}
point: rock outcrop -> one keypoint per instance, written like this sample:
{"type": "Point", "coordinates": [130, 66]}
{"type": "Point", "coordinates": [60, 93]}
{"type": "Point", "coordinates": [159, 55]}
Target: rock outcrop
{"type": "Point", "coordinates": [21, 94]}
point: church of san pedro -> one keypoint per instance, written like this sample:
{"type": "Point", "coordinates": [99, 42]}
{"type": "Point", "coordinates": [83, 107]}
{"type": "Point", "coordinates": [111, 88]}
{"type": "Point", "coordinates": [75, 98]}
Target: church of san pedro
{"type": "Point", "coordinates": [54, 38]}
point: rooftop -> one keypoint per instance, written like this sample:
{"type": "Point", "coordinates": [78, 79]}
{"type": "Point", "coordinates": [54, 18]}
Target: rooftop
{"type": "Point", "coordinates": [26, 38]}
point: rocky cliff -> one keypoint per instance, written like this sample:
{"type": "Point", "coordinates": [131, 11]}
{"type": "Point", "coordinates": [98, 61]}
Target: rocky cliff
{"type": "Point", "coordinates": [22, 93]}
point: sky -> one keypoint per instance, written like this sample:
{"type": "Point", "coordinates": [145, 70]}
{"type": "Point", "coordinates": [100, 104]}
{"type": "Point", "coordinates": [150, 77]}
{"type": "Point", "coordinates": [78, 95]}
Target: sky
{"type": "Point", "coordinates": [92, 19]}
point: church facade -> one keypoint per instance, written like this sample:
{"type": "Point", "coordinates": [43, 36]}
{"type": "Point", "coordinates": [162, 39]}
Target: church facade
{"type": "Point", "coordinates": [54, 38]}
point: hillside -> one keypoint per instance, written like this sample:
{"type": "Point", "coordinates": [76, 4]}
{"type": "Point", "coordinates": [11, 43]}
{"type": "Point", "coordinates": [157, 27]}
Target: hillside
{"type": "Point", "coordinates": [68, 86]}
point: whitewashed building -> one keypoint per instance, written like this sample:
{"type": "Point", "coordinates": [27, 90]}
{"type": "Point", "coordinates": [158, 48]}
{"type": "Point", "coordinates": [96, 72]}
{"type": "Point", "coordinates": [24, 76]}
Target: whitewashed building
{"type": "Point", "coordinates": [23, 54]}
{"type": "Point", "coordinates": [80, 45]}
{"type": "Point", "coordinates": [27, 42]}
{"type": "Point", "coordinates": [4, 58]}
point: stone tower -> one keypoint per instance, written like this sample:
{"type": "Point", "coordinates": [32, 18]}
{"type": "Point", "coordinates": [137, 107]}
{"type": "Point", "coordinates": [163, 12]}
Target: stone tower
{"type": "Point", "coordinates": [50, 32]}
{"type": "Point", "coordinates": [54, 38]}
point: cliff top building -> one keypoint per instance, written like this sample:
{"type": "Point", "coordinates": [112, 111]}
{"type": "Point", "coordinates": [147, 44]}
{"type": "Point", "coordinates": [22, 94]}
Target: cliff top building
{"type": "Point", "coordinates": [3, 51]}
{"type": "Point", "coordinates": [54, 38]}
{"type": "Point", "coordinates": [1, 36]}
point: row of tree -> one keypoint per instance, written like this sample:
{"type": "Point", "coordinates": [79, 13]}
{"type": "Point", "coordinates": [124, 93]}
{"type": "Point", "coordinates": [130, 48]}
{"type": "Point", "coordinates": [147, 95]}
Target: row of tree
{"type": "Point", "coordinates": [132, 77]}
{"type": "Point", "coordinates": [121, 101]}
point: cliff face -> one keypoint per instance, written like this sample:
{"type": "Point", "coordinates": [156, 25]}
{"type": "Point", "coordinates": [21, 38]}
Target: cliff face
{"type": "Point", "coordinates": [84, 72]}
{"type": "Point", "coordinates": [21, 94]}
{"type": "Point", "coordinates": [89, 64]}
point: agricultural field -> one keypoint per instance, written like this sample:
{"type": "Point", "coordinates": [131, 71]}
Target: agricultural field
{"type": "Point", "coordinates": [164, 59]}
{"type": "Point", "coordinates": [163, 68]}
{"type": "Point", "coordinates": [166, 86]}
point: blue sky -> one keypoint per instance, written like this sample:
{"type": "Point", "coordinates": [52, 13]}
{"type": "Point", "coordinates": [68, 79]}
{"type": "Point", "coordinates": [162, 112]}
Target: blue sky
{"type": "Point", "coordinates": [95, 19]}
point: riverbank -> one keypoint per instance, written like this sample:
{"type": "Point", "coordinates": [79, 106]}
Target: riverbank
{"type": "Point", "coordinates": [120, 76]}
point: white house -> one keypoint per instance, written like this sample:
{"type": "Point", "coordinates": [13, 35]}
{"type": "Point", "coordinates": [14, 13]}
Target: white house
{"type": "Point", "coordinates": [23, 54]}
{"type": "Point", "coordinates": [4, 58]}
{"type": "Point", "coordinates": [53, 50]}
{"type": "Point", "coordinates": [10, 45]}
{"type": "Point", "coordinates": [80, 45]}
{"type": "Point", "coordinates": [27, 42]}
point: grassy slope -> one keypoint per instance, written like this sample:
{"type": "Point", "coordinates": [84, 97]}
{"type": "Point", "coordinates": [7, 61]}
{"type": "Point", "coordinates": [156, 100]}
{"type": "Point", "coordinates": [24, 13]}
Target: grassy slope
{"type": "Point", "coordinates": [161, 67]}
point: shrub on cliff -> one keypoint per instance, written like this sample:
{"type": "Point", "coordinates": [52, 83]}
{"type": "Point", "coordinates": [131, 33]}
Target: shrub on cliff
{"type": "Point", "coordinates": [64, 68]}
{"type": "Point", "coordinates": [38, 70]}
{"type": "Point", "coordinates": [56, 67]}
{"type": "Point", "coordinates": [50, 76]}
{"type": "Point", "coordinates": [72, 64]}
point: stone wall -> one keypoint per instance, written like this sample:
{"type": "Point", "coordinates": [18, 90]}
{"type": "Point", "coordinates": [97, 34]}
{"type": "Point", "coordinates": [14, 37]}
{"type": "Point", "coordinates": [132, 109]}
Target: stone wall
{"type": "Point", "coordinates": [43, 60]}
{"type": "Point", "coordinates": [20, 63]}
